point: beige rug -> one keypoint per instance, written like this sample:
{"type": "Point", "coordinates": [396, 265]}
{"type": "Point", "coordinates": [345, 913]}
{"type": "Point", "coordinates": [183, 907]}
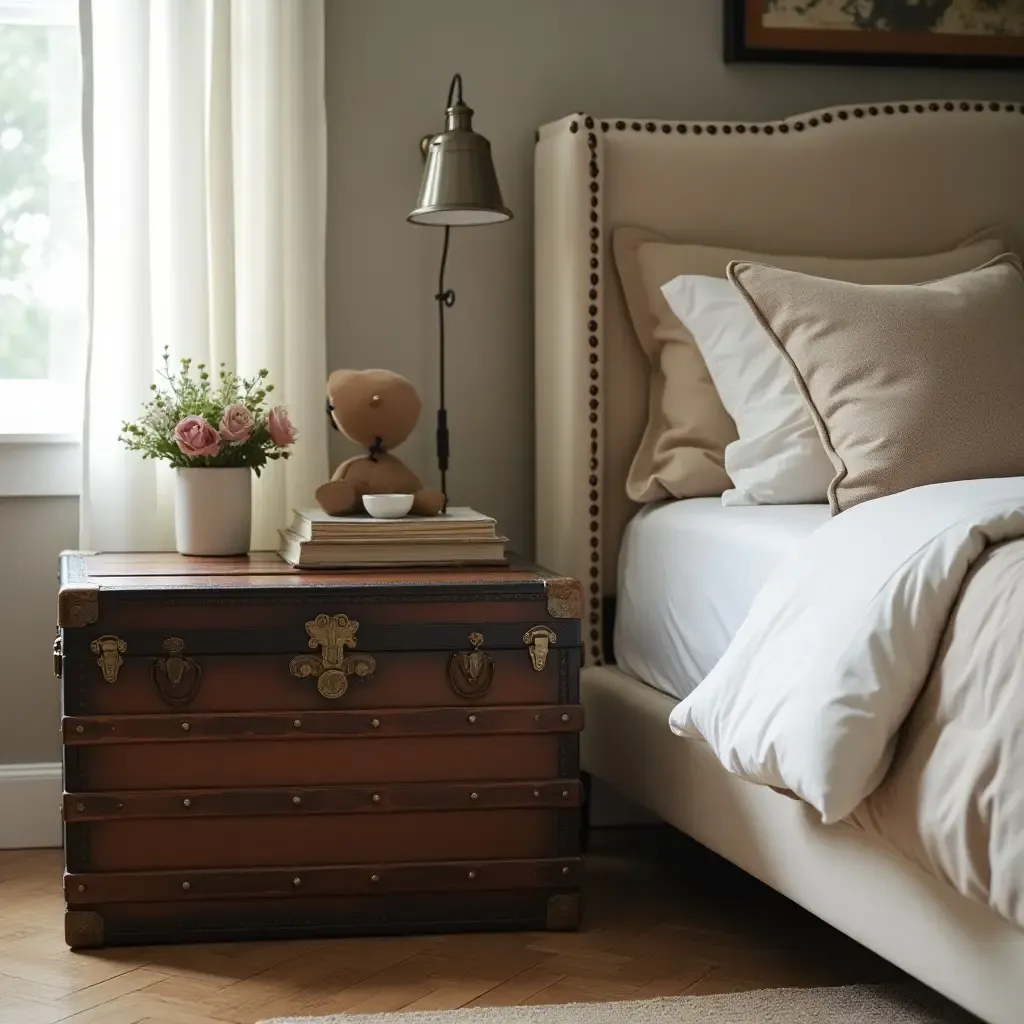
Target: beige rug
{"type": "Point", "coordinates": [850, 1004]}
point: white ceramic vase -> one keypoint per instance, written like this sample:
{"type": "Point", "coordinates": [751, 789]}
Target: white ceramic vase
{"type": "Point", "coordinates": [213, 511]}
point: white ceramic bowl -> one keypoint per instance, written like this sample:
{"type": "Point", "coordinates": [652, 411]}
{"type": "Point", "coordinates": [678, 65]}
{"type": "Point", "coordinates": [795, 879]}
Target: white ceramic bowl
{"type": "Point", "coordinates": [387, 506]}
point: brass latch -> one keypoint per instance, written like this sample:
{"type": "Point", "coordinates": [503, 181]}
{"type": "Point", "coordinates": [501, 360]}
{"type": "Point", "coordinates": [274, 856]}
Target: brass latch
{"type": "Point", "coordinates": [108, 651]}
{"type": "Point", "coordinates": [539, 639]}
{"type": "Point", "coordinates": [175, 676]}
{"type": "Point", "coordinates": [332, 667]}
{"type": "Point", "coordinates": [58, 657]}
{"type": "Point", "coordinates": [471, 672]}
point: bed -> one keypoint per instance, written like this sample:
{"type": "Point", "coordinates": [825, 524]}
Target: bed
{"type": "Point", "coordinates": [858, 181]}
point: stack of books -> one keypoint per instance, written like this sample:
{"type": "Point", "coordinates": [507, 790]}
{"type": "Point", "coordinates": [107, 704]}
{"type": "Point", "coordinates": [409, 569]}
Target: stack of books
{"type": "Point", "coordinates": [460, 536]}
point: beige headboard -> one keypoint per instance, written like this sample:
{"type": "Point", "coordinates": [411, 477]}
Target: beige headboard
{"type": "Point", "coordinates": [887, 180]}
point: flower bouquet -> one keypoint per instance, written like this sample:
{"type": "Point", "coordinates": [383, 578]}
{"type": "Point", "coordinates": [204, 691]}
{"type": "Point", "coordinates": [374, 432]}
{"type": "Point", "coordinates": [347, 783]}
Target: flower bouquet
{"type": "Point", "coordinates": [215, 432]}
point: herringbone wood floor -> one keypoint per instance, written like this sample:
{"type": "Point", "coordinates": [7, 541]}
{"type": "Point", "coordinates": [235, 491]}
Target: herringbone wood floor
{"type": "Point", "coordinates": [662, 917]}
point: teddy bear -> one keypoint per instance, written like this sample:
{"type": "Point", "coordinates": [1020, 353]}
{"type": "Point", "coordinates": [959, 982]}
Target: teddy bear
{"type": "Point", "coordinates": [378, 410]}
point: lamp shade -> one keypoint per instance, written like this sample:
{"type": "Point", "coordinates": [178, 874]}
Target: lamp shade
{"type": "Point", "coordinates": [459, 187]}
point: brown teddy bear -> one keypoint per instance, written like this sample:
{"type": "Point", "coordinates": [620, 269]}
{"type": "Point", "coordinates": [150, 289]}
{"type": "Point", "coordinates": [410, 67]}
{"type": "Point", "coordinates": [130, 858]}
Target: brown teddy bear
{"type": "Point", "coordinates": [377, 409]}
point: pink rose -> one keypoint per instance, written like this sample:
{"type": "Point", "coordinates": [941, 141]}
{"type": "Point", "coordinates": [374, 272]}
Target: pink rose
{"type": "Point", "coordinates": [282, 433]}
{"type": "Point", "coordinates": [194, 436]}
{"type": "Point", "coordinates": [236, 424]}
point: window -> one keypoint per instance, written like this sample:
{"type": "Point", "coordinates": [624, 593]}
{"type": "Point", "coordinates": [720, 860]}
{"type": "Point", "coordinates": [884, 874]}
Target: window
{"type": "Point", "coordinates": [43, 247]}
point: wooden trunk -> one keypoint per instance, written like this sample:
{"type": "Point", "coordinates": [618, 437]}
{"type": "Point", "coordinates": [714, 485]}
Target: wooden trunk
{"type": "Point", "coordinates": [252, 751]}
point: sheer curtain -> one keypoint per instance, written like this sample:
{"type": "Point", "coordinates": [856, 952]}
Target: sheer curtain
{"type": "Point", "coordinates": [205, 138]}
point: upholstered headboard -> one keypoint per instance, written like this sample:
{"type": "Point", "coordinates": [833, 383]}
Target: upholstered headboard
{"type": "Point", "coordinates": [860, 181]}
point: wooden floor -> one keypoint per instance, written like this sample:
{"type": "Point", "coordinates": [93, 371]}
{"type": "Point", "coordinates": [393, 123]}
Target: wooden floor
{"type": "Point", "coordinates": [662, 917]}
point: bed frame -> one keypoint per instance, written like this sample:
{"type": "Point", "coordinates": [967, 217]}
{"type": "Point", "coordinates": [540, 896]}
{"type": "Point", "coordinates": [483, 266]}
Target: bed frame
{"type": "Point", "coordinates": [879, 180]}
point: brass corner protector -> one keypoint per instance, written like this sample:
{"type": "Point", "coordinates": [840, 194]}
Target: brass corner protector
{"type": "Point", "coordinates": [563, 912]}
{"type": "Point", "coordinates": [78, 606]}
{"type": "Point", "coordinates": [565, 598]}
{"type": "Point", "coordinates": [83, 929]}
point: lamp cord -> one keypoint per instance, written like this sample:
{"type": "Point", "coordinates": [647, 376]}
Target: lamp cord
{"type": "Point", "coordinates": [445, 299]}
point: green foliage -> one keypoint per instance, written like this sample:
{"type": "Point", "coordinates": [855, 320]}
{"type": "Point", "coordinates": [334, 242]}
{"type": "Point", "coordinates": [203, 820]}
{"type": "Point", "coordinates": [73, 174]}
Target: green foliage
{"type": "Point", "coordinates": [183, 395]}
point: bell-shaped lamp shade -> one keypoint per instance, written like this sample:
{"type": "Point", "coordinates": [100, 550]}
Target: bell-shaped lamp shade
{"type": "Point", "coordinates": [460, 187]}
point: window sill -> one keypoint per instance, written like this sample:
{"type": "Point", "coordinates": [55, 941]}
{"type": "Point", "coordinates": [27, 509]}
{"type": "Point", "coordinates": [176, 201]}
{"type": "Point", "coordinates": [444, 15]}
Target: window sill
{"type": "Point", "coordinates": [40, 447]}
{"type": "Point", "coordinates": [40, 466]}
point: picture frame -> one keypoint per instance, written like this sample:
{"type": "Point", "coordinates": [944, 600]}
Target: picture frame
{"type": "Point", "coordinates": [844, 32]}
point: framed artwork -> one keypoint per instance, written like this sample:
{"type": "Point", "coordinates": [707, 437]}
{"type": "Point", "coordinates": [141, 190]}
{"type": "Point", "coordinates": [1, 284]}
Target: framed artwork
{"type": "Point", "coordinates": [925, 33]}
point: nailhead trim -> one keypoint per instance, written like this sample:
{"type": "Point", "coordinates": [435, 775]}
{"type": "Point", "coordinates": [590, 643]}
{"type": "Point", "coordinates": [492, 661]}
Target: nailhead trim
{"type": "Point", "coordinates": [803, 124]}
{"type": "Point", "coordinates": [594, 358]}
{"type": "Point", "coordinates": [596, 373]}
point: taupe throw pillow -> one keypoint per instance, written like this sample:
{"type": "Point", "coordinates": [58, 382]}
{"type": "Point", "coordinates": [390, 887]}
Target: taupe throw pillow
{"type": "Point", "coordinates": [907, 384]}
{"type": "Point", "coordinates": [681, 454]}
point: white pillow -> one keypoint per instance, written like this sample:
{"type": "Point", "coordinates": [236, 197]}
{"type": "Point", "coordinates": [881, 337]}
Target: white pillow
{"type": "Point", "coordinates": [779, 458]}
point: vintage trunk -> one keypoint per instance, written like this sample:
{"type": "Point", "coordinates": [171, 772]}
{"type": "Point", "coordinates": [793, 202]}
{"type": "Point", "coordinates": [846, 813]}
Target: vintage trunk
{"type": "Point", "coordinates": [252, 751]}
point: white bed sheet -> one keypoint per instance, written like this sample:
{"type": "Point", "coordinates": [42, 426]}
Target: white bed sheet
{"type": "Point", "coordinates": [688, 572]}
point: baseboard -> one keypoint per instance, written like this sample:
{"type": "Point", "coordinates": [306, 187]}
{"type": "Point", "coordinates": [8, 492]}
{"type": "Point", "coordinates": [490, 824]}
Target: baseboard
{"type": "Point", "coordinates": [30, 797]}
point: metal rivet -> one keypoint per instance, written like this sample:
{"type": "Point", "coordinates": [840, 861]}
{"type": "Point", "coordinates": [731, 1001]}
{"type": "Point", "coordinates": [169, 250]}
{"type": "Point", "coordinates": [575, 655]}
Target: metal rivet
{"type": "Point", "coordinates": [185, 727]}
{"type": "Point", "coordinates": [81, 888]}
{"type": "Point", "coordinates": [376, 798]}
{"type": "Point", "coordinates": [79, 729]}
{"type": "Point", "coordinates": [474, 796]}
{"type": "Point", "coordinates": [375, 878]}
{"type": "Point", "coordinates": [296, 800]}
{"type": "Point", "coordinates": [472, 874]}
{"type": "Point", "coordinates": [296, 882]}
{"type": "Point", "coordinates": [536, 792]}
{"type": "Point", "coordinates": [79, 807]}
{"type": "Point", "coordinates": [472, 719]}
{"type": "Point", "coordinates": [186, 886]}
{"type": "Point", "coordinates": [565, 871]}
{"type": "Point", "coordinates": [376, 723]}
{"type": "Point", "coordinates": [186, 802]}
{"type": "Point", "coordinates": [565, 794]}
{"type": "Point", "coordinates": [536, 718]}
{"type": "Point", "coordinates": [297, 723]}
{"type": "Point", "coordinates": [565, 718]}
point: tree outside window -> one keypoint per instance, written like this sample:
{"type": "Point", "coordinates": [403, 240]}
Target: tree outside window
{"type": "Point", "coordinates": [43, 275]}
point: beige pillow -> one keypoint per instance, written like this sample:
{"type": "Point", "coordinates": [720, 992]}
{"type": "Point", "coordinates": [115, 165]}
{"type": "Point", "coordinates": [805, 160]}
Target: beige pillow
{"type": "Point", "coordinates": [681, 453]}
{"type": "Point", "coordinates": [907, 384]}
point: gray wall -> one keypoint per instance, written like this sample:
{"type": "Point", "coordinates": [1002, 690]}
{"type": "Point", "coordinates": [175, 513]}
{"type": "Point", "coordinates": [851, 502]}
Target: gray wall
{"type": "Point", "coordinates": [34, 532]}
{"type": "Point", "coordinates": [525, 62]}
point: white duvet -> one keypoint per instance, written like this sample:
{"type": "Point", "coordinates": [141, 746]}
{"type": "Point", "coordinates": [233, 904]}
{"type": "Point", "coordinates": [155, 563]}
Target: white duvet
{"type": "Point", "coordinates": [811, 694]}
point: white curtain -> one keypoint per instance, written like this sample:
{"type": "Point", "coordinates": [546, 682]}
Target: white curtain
{"type": "Point", "coordinates": [206, 160]}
